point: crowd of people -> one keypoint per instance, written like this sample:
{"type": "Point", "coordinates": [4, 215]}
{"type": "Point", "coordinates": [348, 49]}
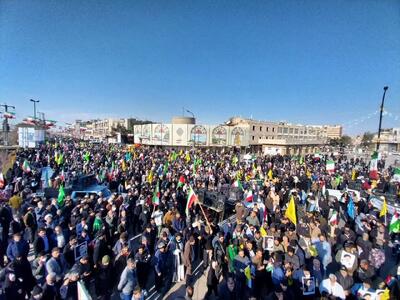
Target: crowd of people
{"type": "Point", "coordinates": [287, 238]}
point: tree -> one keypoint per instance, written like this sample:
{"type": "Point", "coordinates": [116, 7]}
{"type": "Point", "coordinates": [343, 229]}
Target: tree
{"type": "Point", "coordinates": [345, 140]}
{"type": "Point", "coordinates": [119, 129]}
{"type": "Point", "coordinates": [367, 139]}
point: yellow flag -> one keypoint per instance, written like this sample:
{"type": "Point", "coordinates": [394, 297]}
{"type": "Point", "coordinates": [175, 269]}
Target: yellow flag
{"type": "Point", "coordinates": [290, 212]}
{"type": "Point", "coordinates": [123, 166]}
{"type": "Point", "coordinates": [308, 173]}
{"type": "Point", "coordinates": [384, 208]}
{"type": "Point", "coordinates": [263, 232]}
{"type": "Point", "coordinates": [187, 157]}
{"type": "Point", "coordinates": [353, 175]}
{"type": "Point", "coordinates": [270, 174]}
{"type": "Point", "coordinates": [247, 272]}
{"type": "Point", "coordinates": [386, 294]}
{"type": "Point", "coordinates": [181, 152]}
{"type": "Point", "coordinates": [150, 177]}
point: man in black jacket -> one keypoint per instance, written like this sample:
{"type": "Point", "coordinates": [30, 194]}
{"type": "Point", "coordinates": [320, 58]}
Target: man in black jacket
{"type": "Point", "coordinates": [42, 242]}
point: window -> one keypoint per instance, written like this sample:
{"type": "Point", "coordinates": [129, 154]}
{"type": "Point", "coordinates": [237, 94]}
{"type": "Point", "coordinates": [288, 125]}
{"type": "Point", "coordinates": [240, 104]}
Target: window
{"type": "Point", "coordinates": [273, 129]}
{"type": "Point", "coordinates": [291, 130]}
{"type": "Point", "coordinates": [285, 130]}
{"type": "Point", "coordinates": [296, 131]}
{"type": "Point", "coordinates": [260, 128]}
{"type": "Point", "coordinates": [279, 130]}
{"type": "Point", "coordinates": [267, 129]}
{"type": "Point", "coordinates": [252, 137]}
{"type": "Point", "coordinates": [254, 127]}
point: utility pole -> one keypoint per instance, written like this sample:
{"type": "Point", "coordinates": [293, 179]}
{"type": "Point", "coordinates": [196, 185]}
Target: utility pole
{"type": "Point", "coordinates": [34, 107]}
{"type": "Point", "coordinates": [380, 118]}
{"type": "Point", "coordinates": [6, 127]}
{"type": "Point", "coordinates": [41, 117]}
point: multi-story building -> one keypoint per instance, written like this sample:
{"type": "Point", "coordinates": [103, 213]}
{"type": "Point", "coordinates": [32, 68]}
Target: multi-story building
{"type": "Point", "coordinates": [333, 131]}
{"type": "Point", "coordinates": [103, 128]}
{"type": "Point", "coordinates": [282, 137]}
{"type": "Point", "coordinates": [389, 140]}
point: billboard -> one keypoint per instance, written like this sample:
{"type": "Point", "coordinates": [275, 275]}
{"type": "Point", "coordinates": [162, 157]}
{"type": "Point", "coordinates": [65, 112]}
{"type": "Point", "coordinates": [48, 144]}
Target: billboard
{"type": "Point", "coordinates": [26, 137]}
{"type": "Point", "coordinates": [219, 136]}
{"type": "Point", "coordinates": [179, 134]}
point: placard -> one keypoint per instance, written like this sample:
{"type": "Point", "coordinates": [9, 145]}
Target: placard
{"type": "Point", "coordinates": [308, 285]}
{"type": "Point", "coordinates": [347, 259]}
{"type": "Point", "coordinates": [268, 243]}
{"type": "Point", "coordinates": [80, 251]}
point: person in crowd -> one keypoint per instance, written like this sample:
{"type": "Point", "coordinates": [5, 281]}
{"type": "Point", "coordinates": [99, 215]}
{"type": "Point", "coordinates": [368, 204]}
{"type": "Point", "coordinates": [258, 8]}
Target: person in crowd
{"type": "Point", "coordinates": [128, 280]}
{"type": "Point", "coordinates": [336, 240]}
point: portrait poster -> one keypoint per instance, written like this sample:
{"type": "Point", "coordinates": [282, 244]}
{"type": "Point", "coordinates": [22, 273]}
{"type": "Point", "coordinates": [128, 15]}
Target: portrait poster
{"type": "Point", "coordinates": [347, 259]}
{"type": "Point", "coordinates": [268, 243]}
{"type": "Point", "coordinates": [308, 285]}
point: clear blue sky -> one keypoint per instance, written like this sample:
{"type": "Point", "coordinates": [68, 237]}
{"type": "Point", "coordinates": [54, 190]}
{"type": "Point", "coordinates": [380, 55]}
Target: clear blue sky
{"type": "Point", "coordinates": [301, 61]}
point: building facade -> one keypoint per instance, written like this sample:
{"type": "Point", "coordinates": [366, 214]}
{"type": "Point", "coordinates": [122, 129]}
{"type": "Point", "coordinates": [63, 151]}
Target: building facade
{"type": "Point", "coordinates": [286, 138]}
{"type": "Point", "coordinates": [389, 140]}
{"type": "Point", "coordinates": [187, 135]}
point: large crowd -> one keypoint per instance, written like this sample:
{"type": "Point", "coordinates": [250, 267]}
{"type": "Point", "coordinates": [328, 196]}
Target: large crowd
{"type": "Point", "coordinates": [287, 239]}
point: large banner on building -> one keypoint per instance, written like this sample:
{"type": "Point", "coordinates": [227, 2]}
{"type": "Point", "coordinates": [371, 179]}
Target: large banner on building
{"type": "Point", "coordinates": [218, 136]}
{"type": "Point", "coordinates": [238, 136]}
{"type": "Point", "coordinates": [179, 134]}
{"type": "Point", "coordinates": [198, 135]}
{"type": "Point", "coordinates": [146, 134]}
{"type": "Point", "coordinates": [161, 134]}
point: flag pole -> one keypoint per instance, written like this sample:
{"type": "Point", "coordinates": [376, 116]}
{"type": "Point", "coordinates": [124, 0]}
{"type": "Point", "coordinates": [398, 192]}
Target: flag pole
{"type": "Point", "coordinates": [205, 217]}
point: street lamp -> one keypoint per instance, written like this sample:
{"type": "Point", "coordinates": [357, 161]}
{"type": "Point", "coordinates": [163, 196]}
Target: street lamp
{"type": "Point", "coordinates": [380, 118]}
{"type": "Point", "coordinates": [41, 117]}
{"type": "Point", "coordinates": [6, 127]}
{"type": "Point", "coordinates": [188, 111]}
{"type": "Point", "coordinates": [34, 107]}
{"type": "Point", "coordinates": [194, 137]}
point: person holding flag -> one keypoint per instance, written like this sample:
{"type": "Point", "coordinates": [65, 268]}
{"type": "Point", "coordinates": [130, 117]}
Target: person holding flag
{"type": "Point", "coordinates": [61, 196]}
{"type": "Point", "coordinates": [384, 210]}
{"type": "Point", "coordinates": [191, 200]}
{"type": "Point", "coordinates": [290, 212]}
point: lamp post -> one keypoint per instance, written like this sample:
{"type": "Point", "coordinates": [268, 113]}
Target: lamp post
{"type": "Point", "coordinates": [41, 117]}
{"type": "Point", "coordinates": [6, 127]}
{"type": "Point", "coordinates": [34, 107]}
{"type": "Point", "coordinates": [380, 118]}
{"type": "Point", "coordinates": [194, 137]}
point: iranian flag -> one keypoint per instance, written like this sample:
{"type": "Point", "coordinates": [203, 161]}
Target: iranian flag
{"type": "Point", "coordinates": [156, 195]}
{"type": "Point", "coordinates": [330, 166]}
{"type": "Point", "coordinates": [249, 196]}
{"type": "Point", "coordinates": [25, 166]}
{"type": "Point", "coordinates": [237, 184]}
{"type": "Point", "coordinates": [181, 181]}
{"type": "Point", "coordinates": [394, 224]}
{"type": "Point", "coordinates": [373, 166]}
{"type": "Point", "coordinates": [1, 181]}
{"type": "Point", "coordinates": [396, 175]}
{"type": "Point", "coordinates": [191, 199]}
{"type": "Point", "coordinates": [333, 220]}
{"type": "Point", "coordinates": [9, 115]}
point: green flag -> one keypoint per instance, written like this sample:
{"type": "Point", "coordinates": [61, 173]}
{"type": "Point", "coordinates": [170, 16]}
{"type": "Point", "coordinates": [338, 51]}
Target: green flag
{"type": "Point", "coordinates": [166, 165]}
{"type": "Point", "coordinates": [156, 195]}
{"type": "Point", "coordinates": [86, 156]}
{"type": "Point", "coordinates": [97, 224]}
{"type": "Point", "coordinates": [61, 196]}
